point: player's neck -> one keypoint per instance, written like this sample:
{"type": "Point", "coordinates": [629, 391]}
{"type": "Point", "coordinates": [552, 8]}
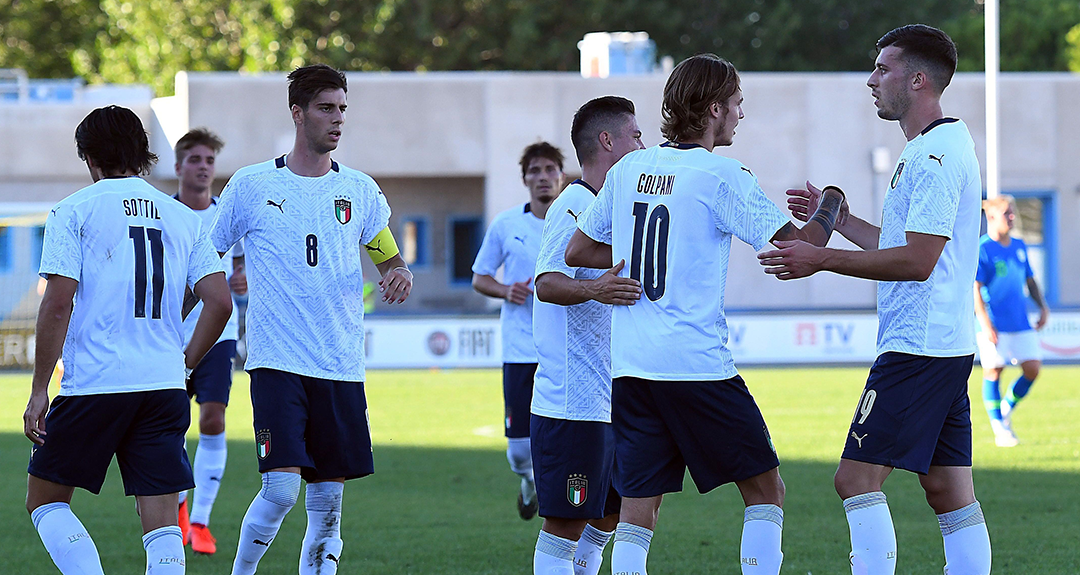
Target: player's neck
{"type": "Point", "coordinates": [705, 140]}
{"type": "Point", "coordinates": [593, 174]}
{"type": "Point", "coordinates": [921, 114]}
{"type": "Point", "coordinates": [303, 161]}
{"type": "Point", "coordinates": [1002, 238]}
{"type": "Point", "coordinates": [539, 209]}
{"type": "Point", "coordinates": [195, 199]}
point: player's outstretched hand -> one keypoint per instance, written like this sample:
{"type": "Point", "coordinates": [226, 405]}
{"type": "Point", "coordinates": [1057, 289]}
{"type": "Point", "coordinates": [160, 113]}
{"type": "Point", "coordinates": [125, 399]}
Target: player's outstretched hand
{"type": "Point", "coordinates": [611, 289]}
{"type": "Point", "coordinates": [34, 417]}
{"type": "Point", "coordinates": [238, 282]}
{"type": "Point", "coordinates": [792, 260]}
{"type": "Point", "coordinates": [396, 285]}
{"type": "Point", "coordinates": [519, 292]}
{"type": "Point", "coordinates": [802, 203]}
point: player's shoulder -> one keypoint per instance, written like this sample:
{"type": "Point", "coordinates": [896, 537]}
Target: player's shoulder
{"type": "Point", "coordinates": [945, 136]}
{"type": "Point", "coordinates": [507, 217]}
{"type": "Point", "coordinates": [578, 194]}
{"type": "Point", "coordinates": [356, 176]}
{"type": "Point", "coordinates": [256, 172]}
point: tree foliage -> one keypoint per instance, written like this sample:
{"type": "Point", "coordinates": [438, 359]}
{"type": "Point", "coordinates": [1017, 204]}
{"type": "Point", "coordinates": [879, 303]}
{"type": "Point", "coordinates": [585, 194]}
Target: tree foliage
{"type": "Point", "coordinates": [149, 41]}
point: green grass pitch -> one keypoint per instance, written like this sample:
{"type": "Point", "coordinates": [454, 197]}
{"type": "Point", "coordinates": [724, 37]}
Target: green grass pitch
{"type": "Point", "coordinates": [442, 498]}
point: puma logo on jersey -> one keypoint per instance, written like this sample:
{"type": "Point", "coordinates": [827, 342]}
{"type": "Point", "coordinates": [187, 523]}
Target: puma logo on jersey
{"type": "Point", "coordinates": [331, 557]}
{"type": "Point", "coordinates": [572, 214]}
{"type": "Point", "coordinates": [276, 204]}
{"type": "Point", "coordinates": [521, 239]}
{"type": "Point", "coordinates": [856, 437]}
{"type": "Point", "coordinates": [377, 248]}
{"type": "Point", "coordinates": [54, 211]}
{"type": "Point", "coordinates": [745, 169]}
{"type": "Point", "coordinates": [937, 159]}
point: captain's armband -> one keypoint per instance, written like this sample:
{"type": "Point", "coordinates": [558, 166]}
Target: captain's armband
{"type": "Point", "coordinates": [382, 247]}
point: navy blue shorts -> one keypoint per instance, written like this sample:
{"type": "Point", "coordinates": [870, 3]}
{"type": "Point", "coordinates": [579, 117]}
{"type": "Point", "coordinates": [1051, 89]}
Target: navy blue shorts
{"type": "Point", "coordinates": [914, 412]}
{"type": "Point", "coordinates": [573, 463]}
{"type": "Point", "coordinates": [517, 397]}
{"type": "Point", "coordinates": [663, 428]}
{"type": "Point", "coordinates": [212, 378]}
{"type": "Point", "coordinates": [144, 429]}
{"type": "Point", "coordinates": [318, 425]}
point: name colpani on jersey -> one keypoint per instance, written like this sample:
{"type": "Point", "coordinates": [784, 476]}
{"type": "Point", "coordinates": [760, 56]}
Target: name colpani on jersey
{"type": "Point", "coordinates": [655, 184]}
{"type": "Point", "coordinates": [141, 208]}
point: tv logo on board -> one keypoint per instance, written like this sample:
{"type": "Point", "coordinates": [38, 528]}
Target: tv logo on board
{"type": "Point", "coordinates": [833, 335]}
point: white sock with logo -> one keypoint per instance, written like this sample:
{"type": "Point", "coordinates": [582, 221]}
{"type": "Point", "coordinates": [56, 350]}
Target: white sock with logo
{"type": "Point", "coordinates": [873, 540]}
{"type": "Point", "coordinates": [631, 550]}
{"type": "Point", "coordinates": [208, 468]}
{"type": "Point", "coordinates": [164, 551]}
{"type": "Point", "coordinates": [760, 552]}
{"type": "Point", "coordinates": [66, 540]}
{"type": "Point", "coordinates": [553, 555]}
{"type": "Point", "coordinates": [967, 543]}
{"type": "Point", "coordinates": [322, 545]}
{"type": "Point", "coordinates": [263, 519]}
{"type": "Point", "coordinates": [590, 550]}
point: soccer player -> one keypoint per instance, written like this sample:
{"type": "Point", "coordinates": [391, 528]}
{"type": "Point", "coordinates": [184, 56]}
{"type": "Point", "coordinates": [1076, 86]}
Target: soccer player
{"type": "Point", "coordinates": [305, 220]}
{"type": "Point", "coordinates": [572, 443]}
{"type": "Point", "coordinates": [914, 412]}
{"type": "Point", "coordinates": [677, 400]}
{"type": "Point", "coordinates": [211, 381]}
{"type": "Point", "coordinates": [118, 256]}
{"type": "Point", "coordinates": [512, 242]}
{"type": "Point", "coordinates": [1001, 306]}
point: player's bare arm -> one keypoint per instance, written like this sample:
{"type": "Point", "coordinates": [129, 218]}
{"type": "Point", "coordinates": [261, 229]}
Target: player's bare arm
{"type": "Point", "coordinates": [820, 226]}
{"type": "Point", "coordinates": [983, 316]}
{"type": "Point", "coordinates": [914, 261]}
{"type": "Point", "coordinates": [557, 288]}
{"type": "Point", "coordinates": [516, 293]}
{"type": "Point", "coordinates": [585, 252]}
{"type": "Point", "coordinates": [213, 291]}
{"type": "Point", "coordinates": [804, 201]}
{"type": "Point", "coordinates": [1036, 296]}
{"type": "Point", "coordinates": [397, 279]}
{"type": "Point", "coordinates": [52, 325]}
{"type": "Point", "coordinates": [238, 280]}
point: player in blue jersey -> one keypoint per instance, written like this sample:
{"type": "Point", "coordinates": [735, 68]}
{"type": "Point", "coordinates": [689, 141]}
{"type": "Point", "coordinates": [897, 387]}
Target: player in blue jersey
{"type": "Point", "coordinates": [914, 412]}
{"type": "Point", "coordinates": [670, 212]}
{"type": "Point", "coordinates": [118, 256]}
{"type": "Point", "coordinates": [196, 152]}
{"type": "Point", "coordinates": [306, 220]}
{"type": "Point", "coordinates": [1001, 306]}
{"type": "Point", "coordinates": [572, 442]}
{"type": "Point", "coordinates": [512, 242]}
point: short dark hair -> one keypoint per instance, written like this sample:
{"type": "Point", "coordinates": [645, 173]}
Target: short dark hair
{"type": "Point", "coordinates": [604, 114]}
{"type": "Point", "coordinates": [693, 86]}
{"type": "Point", "coordinates": [114, 138]}
{"type": "Point", "coordinates": [540, 150]}
{"type": "Point", "coordinates": [924, 47]}
{"type": "Point", "coordinates": [307, 82]}
{"type": "Point", "coordinates": [197, 137]}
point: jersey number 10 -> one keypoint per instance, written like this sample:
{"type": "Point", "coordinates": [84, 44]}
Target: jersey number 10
{"type": "Point", "coordinates": [138, 236]}
{"type": "Point", "coordinates": [654, 244]}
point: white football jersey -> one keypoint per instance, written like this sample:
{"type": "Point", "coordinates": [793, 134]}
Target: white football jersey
{"type": "Point", "coordinates": [133, 250]}
{"type": "Point", "coordinates": [303, 240]}
{"type": "Point", "coordinates": [670, 211]}
{"type": "Point", "coordinates": [936, 189]}
{"type": "Point", "coordinates": [573, 343]}
{"type": "Point", "coordinates": [513, 242]}
{"type": "Point", "coordinates": [232, 329]}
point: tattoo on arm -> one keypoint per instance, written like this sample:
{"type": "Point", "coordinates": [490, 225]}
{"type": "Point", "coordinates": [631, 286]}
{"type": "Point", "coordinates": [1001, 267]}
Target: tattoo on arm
{"type": "Point", "coordinates": [832, 198]}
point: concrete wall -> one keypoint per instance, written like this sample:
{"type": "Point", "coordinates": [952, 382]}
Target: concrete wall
{"type": "Point", "coordinates": [412, 130]}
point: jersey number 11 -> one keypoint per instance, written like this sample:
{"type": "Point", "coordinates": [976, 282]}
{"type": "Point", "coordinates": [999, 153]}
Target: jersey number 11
{"type": "Point", "coordinates": [138, 236]}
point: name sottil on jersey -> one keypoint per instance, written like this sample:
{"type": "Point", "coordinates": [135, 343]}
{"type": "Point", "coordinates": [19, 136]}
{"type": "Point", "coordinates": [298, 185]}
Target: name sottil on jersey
{"type": "Point", "coordinates": [655, 184]}
{"type": "Point", "coordinates": [141, 208]}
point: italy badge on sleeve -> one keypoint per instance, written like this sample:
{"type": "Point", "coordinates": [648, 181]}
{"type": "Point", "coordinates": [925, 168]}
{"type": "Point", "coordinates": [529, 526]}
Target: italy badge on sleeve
{"type": "Point", "coordinates": [262, 443]}
{"type": "Point", "coordinates": [343, 210]}
{"type": "Point", "coordinates": [577, 489]}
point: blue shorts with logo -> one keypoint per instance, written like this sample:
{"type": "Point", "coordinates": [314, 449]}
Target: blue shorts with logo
{"type": "Point", "coordinates": [663, 428]}
{"type": "Point", "coordinates": [517, 397]}
{"type": "Point", "coordinates": [913, 413]}
{"type": "Point", "coordinates": [318, 425]}
{"type": "Point", "coordinates": [144, 429]}
{"type": "Point", "coordinates": [212, 378]}
{"type": "Point", "coordinates": [573, 463]}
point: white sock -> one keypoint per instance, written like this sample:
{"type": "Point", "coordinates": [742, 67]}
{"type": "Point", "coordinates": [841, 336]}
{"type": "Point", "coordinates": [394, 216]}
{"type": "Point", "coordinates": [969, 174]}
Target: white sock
{"type": "Point", "coordinates": [321, 550]}
{"type": "Point", "coordinates": [590, 550]}
{"type": "Point", "coordinates": [873, 540]}
{"type": "Point", "coordinates": [519, 454]}
{"type": "Point", "coordinates": [967, 543]}
{"type": "Point", "coordinates": [66, 540]}
{"type": "Point", "coordinates": [631, 549]}
{"type": "Point", "coordinates": [208, 469]}
{"type": "Point", "coordinates": [164, 551]}
{"type": "Point", "coordinates": [554, 555]}
{"type": "Point", "coordinates": [263, 519]}
{"type": "Point", "coordinates": [763, 526]}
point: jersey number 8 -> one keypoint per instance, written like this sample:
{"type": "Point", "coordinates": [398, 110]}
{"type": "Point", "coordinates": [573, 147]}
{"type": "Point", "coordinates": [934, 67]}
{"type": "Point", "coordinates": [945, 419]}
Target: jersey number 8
{"type": "Point", "coordinates": [655, 249]}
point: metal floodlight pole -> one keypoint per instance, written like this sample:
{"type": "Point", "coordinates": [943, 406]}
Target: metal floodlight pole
{"type": "Point", "coordinates": [993, 65]}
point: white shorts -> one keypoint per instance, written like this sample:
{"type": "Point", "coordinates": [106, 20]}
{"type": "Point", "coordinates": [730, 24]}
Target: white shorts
{"type": "Point", "coordinates": [1012, 348]}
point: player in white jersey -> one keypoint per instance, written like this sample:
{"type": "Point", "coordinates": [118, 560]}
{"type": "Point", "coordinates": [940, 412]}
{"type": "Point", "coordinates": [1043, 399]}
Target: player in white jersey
{"type": "Point", "coordinates": [196, 152]}
{"type": "Point", "coordinates": [305, 221]}
{"type": "Point", "coordinates": [571, 438]}
{"type": "Point", "coordinates": [118, 256]}
{"type": "Point", "coordinates": [512, 242]}
{"type": "Point", "coordinates": [914, 412]}
{"type": "Point", "coordinates": [670, 212]}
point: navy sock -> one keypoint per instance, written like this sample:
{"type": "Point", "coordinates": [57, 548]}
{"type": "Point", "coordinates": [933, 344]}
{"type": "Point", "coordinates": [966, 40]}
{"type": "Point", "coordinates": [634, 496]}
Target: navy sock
{"type": "Point", "coordinates": [992, 398]}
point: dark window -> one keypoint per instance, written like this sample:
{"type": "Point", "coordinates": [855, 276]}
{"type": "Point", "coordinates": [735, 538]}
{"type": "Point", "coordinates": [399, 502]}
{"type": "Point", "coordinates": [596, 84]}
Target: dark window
{"type": "Point", "coordinates": [465, 238]}
{"type": "Point", "coordinates": [5, 249]}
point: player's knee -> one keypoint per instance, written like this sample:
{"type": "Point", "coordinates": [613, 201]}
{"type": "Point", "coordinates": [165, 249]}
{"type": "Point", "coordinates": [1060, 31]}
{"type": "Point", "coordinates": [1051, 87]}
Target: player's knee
{"type": "Point", "coordinates": [1031, 369]}
{"type": "Point", "coordinates": [846, 484]}
{"type": "Point", "coordinates": [212, 418]}
{"type": "Point", "coordinates": [281, 488]}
